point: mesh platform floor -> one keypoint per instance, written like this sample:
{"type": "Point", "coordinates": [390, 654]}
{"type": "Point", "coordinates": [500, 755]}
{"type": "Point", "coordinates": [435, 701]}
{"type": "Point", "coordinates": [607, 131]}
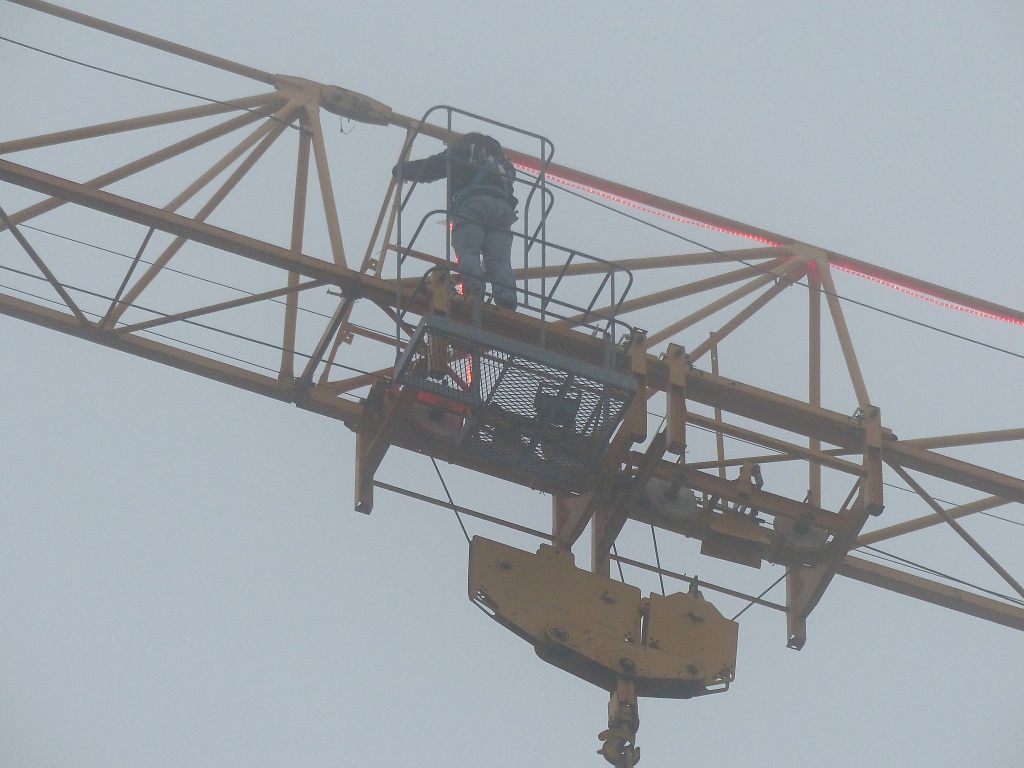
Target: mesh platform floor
{"type": "Point", "coordinates": [540, 416]}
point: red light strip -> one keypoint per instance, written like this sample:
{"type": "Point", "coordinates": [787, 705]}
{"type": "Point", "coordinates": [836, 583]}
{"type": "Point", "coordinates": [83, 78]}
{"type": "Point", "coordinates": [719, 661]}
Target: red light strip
{"type": "Point", "coordinates": [926, 297]}
{"type": "Point", "coordinates": [653, 211]}
{"type": "Point", "coordinates": [683, 220]}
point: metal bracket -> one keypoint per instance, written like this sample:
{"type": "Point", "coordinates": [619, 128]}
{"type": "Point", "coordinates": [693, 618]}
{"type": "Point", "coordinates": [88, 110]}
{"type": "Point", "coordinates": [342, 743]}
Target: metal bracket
{"type": "Point", "coordinates": [871, 420]}
{"type": "Point", "coordinates": [636, 416]}
{"type": "Point", "coordinates": [675, 424]}
{"type": "Point", "coordinates": [372, 444]}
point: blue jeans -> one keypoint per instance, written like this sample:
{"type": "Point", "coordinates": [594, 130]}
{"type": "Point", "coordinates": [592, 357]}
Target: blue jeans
{"type": "Point", "coordinates": [483, 226]}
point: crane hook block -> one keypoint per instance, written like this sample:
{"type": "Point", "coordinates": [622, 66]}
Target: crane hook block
{"type": "Point", "coordinates": [675, 646]}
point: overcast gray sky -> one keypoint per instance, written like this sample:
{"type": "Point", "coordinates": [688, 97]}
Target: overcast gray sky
{"type": "Point", "coordinates": [182, 579]}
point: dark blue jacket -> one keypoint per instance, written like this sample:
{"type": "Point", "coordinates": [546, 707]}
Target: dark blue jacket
{"type": "Point", "coordinates": [466, 176]}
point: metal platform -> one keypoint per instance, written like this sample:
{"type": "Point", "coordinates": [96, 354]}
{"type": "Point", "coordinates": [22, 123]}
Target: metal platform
{"type": "Point", "coordinates": [544, 418]}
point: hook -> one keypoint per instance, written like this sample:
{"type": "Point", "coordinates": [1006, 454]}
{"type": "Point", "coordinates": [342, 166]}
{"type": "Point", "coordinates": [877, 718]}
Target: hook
{"type": "Point", "coordinates": [618, 748]}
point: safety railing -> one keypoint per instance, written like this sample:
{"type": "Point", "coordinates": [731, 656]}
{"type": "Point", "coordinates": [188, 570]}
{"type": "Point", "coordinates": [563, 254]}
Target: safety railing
{"type": "Point", "coordinates": [545, 288]}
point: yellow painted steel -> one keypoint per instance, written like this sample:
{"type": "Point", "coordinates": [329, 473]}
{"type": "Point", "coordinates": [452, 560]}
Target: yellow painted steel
{"type": "Point", "coordinates": [615, 492]}
{"type": "Point", "coordinates": [599, 629]}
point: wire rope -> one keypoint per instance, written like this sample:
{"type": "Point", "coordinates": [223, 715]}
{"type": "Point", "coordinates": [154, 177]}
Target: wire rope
{"type": "Point", "coordinates": [326, 316]}
{"type": "Point", "coordinates": [586, 198]}
{"type": "Point", "coordinates": [872, 551]}
{"type": "Point", "coordinates": [575, 193]}
{"type": "Point", "coordinates": [451, 501]}
{"type": "Point", "coordinates": [214, 329]}
{"type": "Point", "coordinates": [618, 562]}
{"type": "Point", "coordinates": [134, 79]}
{"type": "Point", "coordinates": [754, 601]}
{"type": "Point", "coordinates": [882, 554]}
{"type": "Point", "coordinates": [183, 273]}
{"type": "Point", "coordinates": [578, 194]}
{"type": "Point", "coordinates": [763, 271]}
{"type": "Point", "coordinates": [657, 559]}
{"type": "Point", "coordinates": [170, 269]}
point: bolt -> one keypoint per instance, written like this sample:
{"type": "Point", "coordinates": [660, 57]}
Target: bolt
{"type": "Point", "coordinates": [608, 597]}
{"type": "Point", "coordinates": [505, 565]}
{"type": "Point", "coordinates": [559, 634]}
{"type": "Point", "coordinates": [692, 669]}
{"type": "Point", "coordinates": [627, 664]}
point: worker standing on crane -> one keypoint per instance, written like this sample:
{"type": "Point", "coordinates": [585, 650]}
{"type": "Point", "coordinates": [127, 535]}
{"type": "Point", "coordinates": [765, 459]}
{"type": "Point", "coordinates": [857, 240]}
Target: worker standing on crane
{"type": "Point", "coordinates": [482, 206]}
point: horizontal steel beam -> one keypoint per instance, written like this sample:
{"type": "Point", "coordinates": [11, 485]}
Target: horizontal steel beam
{"type": "Point", "coordinates": [932, 592]}
{"type": "Point", "coordinates": [749, 495]}
{"type": "Point", "coordinates": [923, 286]}
{"type": "Point", "coordinates": [654, 262]}
{"type": "Point", "coordinates": [788, 449]}
{"type": "Point", "coordinates": [360, 107]}
{"type": "Point", "coordinates": [766, 407]}
{"type": "Point", "coordinates": [182, 226]}
{"type": "Point", "coordinates": [954, 470]}
{"type": "Point", "coordinates": [382, 292]}
{"type": "Point", "coordinates": [732, 396]}
{"type": "Point", "coordinates": [920, 523]}
{"type": "Point", "coordinates": [969, 438]}
{"type": "Point", "coordinates": [701, 583]}
{"type": "Point", "coordinates": [323, 402]}
{"type": "Point", "coordinates": [149, 40]}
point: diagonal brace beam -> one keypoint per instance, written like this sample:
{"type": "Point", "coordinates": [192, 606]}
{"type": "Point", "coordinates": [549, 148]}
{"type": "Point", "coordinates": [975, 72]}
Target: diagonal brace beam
{"type": "Point", "coordinates": [963, 534]}
{"type": "Point", "coordinates": [37, 260]}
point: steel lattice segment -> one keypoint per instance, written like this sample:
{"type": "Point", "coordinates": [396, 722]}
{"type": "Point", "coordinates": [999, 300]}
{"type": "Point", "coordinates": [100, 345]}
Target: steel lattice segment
{"type": "Point", "coordinates": [555, 412]}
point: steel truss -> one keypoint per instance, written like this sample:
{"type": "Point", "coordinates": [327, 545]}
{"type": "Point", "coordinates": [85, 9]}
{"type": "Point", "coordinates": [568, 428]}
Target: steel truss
{"type": "Point", "coordinates": [342, 368]}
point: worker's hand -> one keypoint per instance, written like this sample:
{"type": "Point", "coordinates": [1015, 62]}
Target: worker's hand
{"type": "Point", "coordinates": [396, 172]}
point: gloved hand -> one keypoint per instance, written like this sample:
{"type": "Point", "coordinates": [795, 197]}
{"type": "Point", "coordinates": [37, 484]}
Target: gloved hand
{"type": "Point", "coordinates": [397, 170]}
